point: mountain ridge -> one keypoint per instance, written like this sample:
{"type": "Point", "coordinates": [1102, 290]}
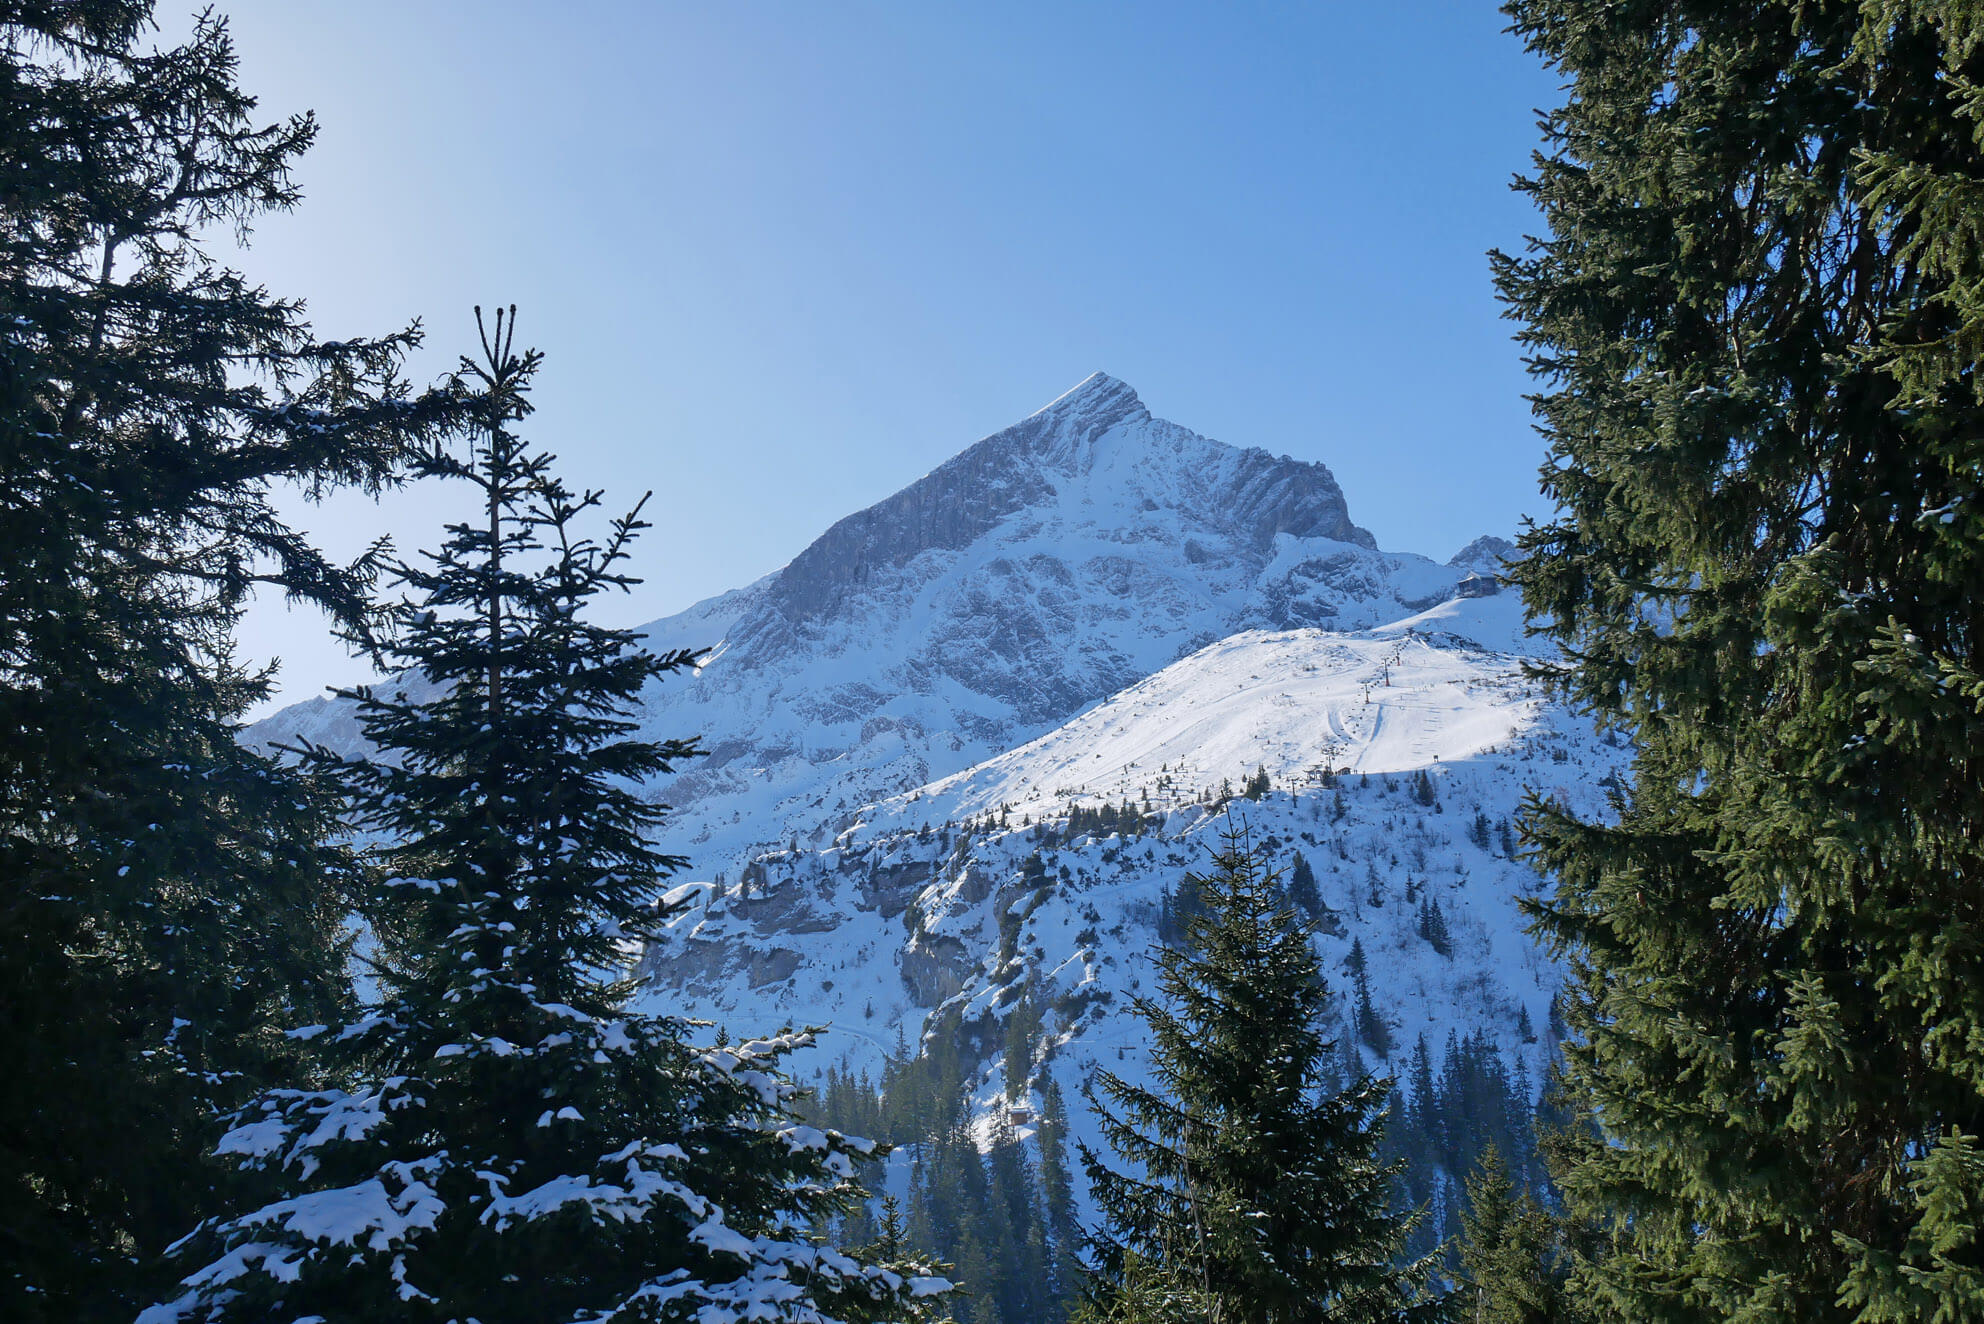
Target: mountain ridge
{"type": "Point", "coordinates": [1018, 466]}
{"type": "Point", "coordinates": [1035, 573]}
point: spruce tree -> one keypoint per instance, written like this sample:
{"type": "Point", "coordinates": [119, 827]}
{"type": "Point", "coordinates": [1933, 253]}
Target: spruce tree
{"type": "Point", "coordinates": [1249, 1186]}
{"type": "Point", "coordinates": [169, 895]}
{"type": "Point", "coordinates": [1433, 927]}
{"type": "Point", "coordinates": [1423, 792]}
{"type": "Point", "coordinates": [1371, 1026]}
{"type": "Point", "coordinates": [509, 1141]}
{"type": "Point", "coordinates": [1142, 1291]}
{"type": "Point", "coordinates": [954, 1216]}
{"type": "Point", "coordinates": [1058, 1199]}
{"type": "Point", "coordinates": [1021, 1282]}
{"type": "Point", "coordinates": [1756, 315]}
{"type": "Point", "coordinates": [1023, 1030]}
{"type": "Point", "coordinates": [1508, 1247]}
{"type": "Point", "coordinates": [1302, 889]}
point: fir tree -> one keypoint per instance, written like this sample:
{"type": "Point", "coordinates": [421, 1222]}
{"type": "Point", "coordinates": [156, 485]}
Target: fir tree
{"type": "Point", "coordinates": [1022, 1042]}
{"type": "Point", "coordinates": [1757, 314]}
{"type": "Point", "coordinates": [891, 1240]}
{"type": "Point", "coordinates": [1433, 927]}
{"type": "Point", "coordinates": [1144, 1291]}
{"type": "Point", "coordinates": [1372, 1028]}
{"type": "Point", "coordinates": [1507, 1246]}
{"type": "Point", "coordinates": [1176, 908]}
{"type": "Point", "coordinates": [955, 1216]}
{"type": "Point", "coordinates": [1020, 1285]}
{"type": "Point", "coordinates": [1058, 1198]}
{"type": "Point", "coordinates": [1249, 1184]}
{"type": "Point", "coordinates": [1302, 890]}
{"type": "Point", "coordinates": [1423, 792]}
{"type": "Point", "coordinates": [511, 1142]}
{"type": "Point", "coordinates": [168, 894]}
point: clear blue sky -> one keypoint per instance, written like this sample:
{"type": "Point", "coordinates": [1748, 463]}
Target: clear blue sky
{"type": "Point", "coordinates": [784, 258]}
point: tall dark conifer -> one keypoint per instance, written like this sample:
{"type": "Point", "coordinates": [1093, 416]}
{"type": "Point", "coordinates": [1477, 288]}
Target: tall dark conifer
{"type": "Point", "coordinates": [1756, 315]}
{"type": "Point", "coordinates": [167, 895]}
{"type": "Point", "coordinates": [1057, 1199]}
{"type": "Point", "coordinates": [509, 1142]}
{"type": "Point", "coordinates": [1251, 1191]}
{"type": "Point", "coordinates": [1509, 1249]}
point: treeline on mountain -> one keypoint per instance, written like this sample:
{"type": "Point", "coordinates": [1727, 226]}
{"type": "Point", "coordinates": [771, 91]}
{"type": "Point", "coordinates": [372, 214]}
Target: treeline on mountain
{"type": "Point", "coordinates": [999, 1208]}
{"type": "Point", "coordinates": [1256, 1114]}
{"type": "Point", "coordinates": [1128, 817]}
{"type": "Point", "coordinates": [1001, 1197]}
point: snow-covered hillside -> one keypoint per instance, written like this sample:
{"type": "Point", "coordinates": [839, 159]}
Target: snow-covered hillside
{"type": "Point", "coordinates": [1435, 686]}
{"type": "Point", "coordinates": [912, 726]}
{"type": "Point", "coordinates": [1035, 574]}
{"type": "Point", "coordinates": [956, 895]}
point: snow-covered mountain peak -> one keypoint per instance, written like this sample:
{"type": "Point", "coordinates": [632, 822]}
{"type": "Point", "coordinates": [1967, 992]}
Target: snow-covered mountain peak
{"type": "Point", "coordinates": [1486, 555]}
{"type": "Point", "coordinates": [1094, 466]}
{"type": "Point", "coordinates": [1096, 399]}
{"type": "Point", "coordinates": [1033, 575]}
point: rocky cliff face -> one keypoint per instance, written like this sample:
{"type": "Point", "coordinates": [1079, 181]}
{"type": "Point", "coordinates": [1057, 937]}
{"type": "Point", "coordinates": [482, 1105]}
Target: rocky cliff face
{"type": "Point", "coordinates": [1095, 458]}
{"type": "Point", "coordinates": [957, 503]}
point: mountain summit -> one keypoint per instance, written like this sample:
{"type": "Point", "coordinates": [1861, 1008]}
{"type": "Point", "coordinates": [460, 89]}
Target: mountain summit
{"type": "Point", "coordinates": [1098, 396]}
{"type": "Point", "coordinates": [1096, 444]}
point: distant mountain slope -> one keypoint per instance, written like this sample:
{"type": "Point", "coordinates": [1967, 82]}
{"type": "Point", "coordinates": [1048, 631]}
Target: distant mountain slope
{"type": "Point", "coordinates": [915, 727]}
{"type": "Point", "coordinates": [1041, 570]}
{"type": "Point", "coordinates": [1436, 686]}
{"type": "Point", "coordinates": [1441, 691]}
{"type": "Point", "coordinates": [938, 906]}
